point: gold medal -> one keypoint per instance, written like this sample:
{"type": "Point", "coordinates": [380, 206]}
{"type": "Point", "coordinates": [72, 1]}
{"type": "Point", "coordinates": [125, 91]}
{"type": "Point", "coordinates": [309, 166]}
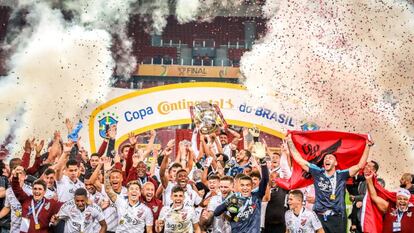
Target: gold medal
{"type": "Point", "coordinates": [37, 226]}
{"type": "Point", "coordinates": [18, 213]}
{"type": "Point", "coordinates": [332, 197]}
{"type": "Point", "coordinates": [121, 221]}
{"type": "Point", "coordinates": [236, 219]}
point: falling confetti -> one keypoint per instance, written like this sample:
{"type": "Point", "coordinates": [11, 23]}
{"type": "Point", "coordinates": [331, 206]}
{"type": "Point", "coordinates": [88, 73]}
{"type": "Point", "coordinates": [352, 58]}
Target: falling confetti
{"type": "Point", "coordinates": [345, 65]}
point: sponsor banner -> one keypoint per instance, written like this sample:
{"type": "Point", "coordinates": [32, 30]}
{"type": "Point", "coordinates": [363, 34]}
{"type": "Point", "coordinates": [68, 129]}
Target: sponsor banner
{"type": "Point", "coordinates": [152, 108]}
{"type": "Point", "coordinates": [188, 71]}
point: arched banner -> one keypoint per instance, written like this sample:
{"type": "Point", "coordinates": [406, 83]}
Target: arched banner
{"type": "Point", "coordinates": [141, 110]}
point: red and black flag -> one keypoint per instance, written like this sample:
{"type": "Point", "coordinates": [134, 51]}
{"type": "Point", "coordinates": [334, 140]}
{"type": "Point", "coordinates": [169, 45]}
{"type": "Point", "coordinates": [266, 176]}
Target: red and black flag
{"type": "Point", "coordinates": [313, 146]}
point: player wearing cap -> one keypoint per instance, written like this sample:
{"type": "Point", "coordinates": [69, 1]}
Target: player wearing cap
{"type": "Point", "coordinates": [298, 218]}
{"type": "Point", "coordinates": [398, 216]}
{"type": "Point", "coordinates": [133, 215]}
{"type": "Point", "coordinates": [80, 216]}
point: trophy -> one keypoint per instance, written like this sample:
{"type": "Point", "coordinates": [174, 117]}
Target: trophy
{"type": "Point", "coordinates": [207, 117]}
{"type": "Point", "coordinates": [233, 203]}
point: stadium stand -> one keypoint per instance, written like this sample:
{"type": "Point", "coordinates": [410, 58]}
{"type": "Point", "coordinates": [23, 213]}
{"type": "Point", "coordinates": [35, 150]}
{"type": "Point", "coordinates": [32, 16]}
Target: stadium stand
{"type": "Point", "coordinates": [219, 42]}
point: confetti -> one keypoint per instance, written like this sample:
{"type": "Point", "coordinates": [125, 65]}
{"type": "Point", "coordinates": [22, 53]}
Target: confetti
{"type": "Point", "coordinates": [350, 63]}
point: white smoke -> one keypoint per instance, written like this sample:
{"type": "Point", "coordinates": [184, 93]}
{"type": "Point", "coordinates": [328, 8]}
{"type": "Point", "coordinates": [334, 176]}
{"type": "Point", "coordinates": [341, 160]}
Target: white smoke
{"type": "Point", "coordinates": [111, 16]}
{"type": "Point", "coordinates": [192, 10]}
{"type": "Point", "coordinates": [55, 71]}
{"type": "Point", "coordinates": [186, 10]}
{"type": "Point", "coordinates": [155, 12]}
{"type": "Point", "coordinates": [346, 65]}
{"type": "Point", "coordinates": [60, 68]}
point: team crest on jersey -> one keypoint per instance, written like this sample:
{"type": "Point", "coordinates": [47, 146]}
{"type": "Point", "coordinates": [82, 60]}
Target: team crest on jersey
{"type": "Point", "coordinates": [184, 216]}
{"type": "Point", "coordinates": [303, 221]}
{"type": "Point", "coordinates": [47, 206]}
{"type": "Point", "coordinates": [88, 216]}
{"type": "Point", "coordinates": [155, 209]}
{"type": "Point", "coordinates": [139, 214]}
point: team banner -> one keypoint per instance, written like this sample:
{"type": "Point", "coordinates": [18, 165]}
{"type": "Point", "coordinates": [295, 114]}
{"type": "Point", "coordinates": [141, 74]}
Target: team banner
{"type": "Point", "coordinates": [141, 110]}
{"type": "Point", "coordinates": [314, 145]}
{"type": "Point", "coordinates": [188, 71]}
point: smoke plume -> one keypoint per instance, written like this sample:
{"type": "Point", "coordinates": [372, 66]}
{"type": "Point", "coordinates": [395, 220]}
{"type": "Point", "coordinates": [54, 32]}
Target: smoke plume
{"type": "Point", "coordinates": [57, 69]}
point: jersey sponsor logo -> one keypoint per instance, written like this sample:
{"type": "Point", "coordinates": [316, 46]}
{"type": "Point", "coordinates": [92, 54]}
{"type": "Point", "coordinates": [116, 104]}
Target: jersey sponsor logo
{"type": "Point", "coordinates": [131, 220]}
{"type": "Point", "coordinates": [249, 211]}
{"type": "Point", "coordinates": [76, 225]}
{"type": "Point", "coordinates": [177, 226]}
{"type": "Point", "coordinates": [324, 185]}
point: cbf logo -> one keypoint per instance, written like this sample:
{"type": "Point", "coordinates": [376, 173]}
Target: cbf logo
{"type": "Point", "coordinates": [106, 119]}
{"type": "Point", "coordinates": [309, 126]}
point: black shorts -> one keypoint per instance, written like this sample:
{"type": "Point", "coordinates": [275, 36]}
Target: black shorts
{"type": "Point", "coordinates": [333, 223]}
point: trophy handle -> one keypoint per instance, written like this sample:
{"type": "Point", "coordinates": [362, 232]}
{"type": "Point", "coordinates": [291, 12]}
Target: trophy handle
{"type": "Point", "coordinates": [220, 114]}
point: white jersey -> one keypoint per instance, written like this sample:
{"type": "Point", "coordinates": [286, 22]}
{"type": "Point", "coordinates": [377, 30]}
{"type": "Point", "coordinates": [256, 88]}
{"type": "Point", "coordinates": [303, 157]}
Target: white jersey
{"type": "Point", "coordinates": [191, 197]}
{"type": "Point", "coordinates": [178, 220]}
{"type": "Point", "coordinates": [133, 219]}
{"type": "Point", "coordinates": [227, 150]}
{"type": "Point", "coordinates": [96, 198]}
{"type": "Point", "coordinates": [66, 188]}
{"type": "Point", "coordinates": [80, 221]}
{"type": "Point", "coordinates": [285, 170]}
{"type": "Point", "coordinates": [111, 212]}
{"type": "Point", "coordinates": [220, 224]}
{"type": "Point", "coordinates": [305, 222]}
{"type": "Point", "coordinates": [15, 210]}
